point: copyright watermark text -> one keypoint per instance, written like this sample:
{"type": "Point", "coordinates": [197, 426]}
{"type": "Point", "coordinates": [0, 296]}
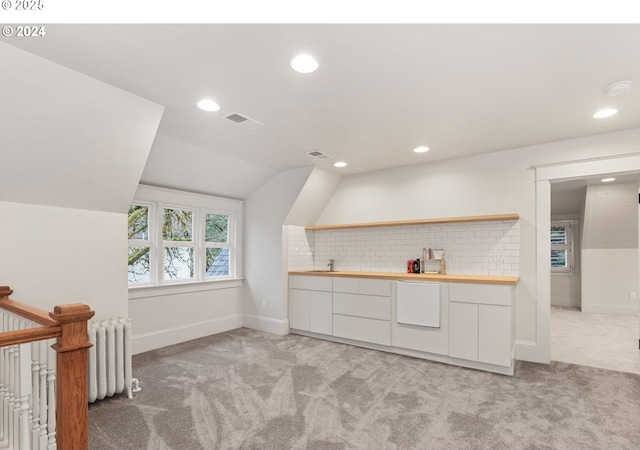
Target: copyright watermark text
{"type": "Point", "coordinates": [22, 5]}
{"type": "Point", "coordinates": [23, 31]}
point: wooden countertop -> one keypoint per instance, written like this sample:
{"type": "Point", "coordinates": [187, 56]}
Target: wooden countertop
{"type": "Point", "coordinates": [477, 279]}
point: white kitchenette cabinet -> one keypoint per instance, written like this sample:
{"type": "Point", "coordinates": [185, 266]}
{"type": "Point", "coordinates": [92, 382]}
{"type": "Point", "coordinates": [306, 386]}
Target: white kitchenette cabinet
{"type": "Point", "coordinates": [449, 319]}
{"type": "Point", "coordinates": [311, 304]}
{"type": "Point", "coordinates": [481, 323]}
{"type": "Point", "coordinates": [362, 310]}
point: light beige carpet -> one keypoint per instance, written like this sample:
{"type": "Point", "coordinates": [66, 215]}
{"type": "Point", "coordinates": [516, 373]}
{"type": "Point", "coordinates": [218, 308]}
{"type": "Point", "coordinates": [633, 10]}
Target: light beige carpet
{"type": "Point", "coordinates": [250, 390]}
{"type": "Point", "coordinates": [607, 341]}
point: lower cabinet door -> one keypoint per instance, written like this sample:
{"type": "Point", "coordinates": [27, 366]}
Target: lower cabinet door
{"type": "Point", "coordinates": [299, 309]}
{"type": "Point", "coordinates": [311, 311]}
{"type": "Point", "coordinates": [362, 329]}
{"type": "Point", "coordinates": [494, 335]}
{"type": "Point", "coordinates": [463, 331]}
{"type": "Point", "coordinates": [321, 312]}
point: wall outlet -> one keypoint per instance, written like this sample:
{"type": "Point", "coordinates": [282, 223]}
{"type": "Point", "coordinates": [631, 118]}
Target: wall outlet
{"type": "Point", "coordinates": [632, 294]}
{"type": "Point", "coordinates": [264, 304]}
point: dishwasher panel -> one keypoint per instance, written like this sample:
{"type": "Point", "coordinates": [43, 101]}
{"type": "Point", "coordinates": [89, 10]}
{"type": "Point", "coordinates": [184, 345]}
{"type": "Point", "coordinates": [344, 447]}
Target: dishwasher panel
{"type": "Point", "coordinates": [418, 304]}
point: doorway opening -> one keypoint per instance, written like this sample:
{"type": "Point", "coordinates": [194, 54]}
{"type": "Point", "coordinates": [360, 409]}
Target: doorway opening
{"type": "Point", "coordinates": [624, 164]}
{"type": "Point", "coordinates": [594, 272]}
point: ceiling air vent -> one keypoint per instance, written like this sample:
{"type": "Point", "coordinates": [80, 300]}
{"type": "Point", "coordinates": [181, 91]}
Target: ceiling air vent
{"type": "Point", "coordinates": [243, 121]}
{"type": "Point", "coordinates": [318, 154]}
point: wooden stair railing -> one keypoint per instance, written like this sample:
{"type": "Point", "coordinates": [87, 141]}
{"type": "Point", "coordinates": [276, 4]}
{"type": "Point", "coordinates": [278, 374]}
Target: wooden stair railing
{"type": "Point", "coordinates": [67, 323]}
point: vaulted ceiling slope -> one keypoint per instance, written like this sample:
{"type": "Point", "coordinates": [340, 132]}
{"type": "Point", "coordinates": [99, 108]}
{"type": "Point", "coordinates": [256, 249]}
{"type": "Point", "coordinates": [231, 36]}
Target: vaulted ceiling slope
{"type": "Point", "coordinates": [380, 90]}
{"type": "Point", "coordinates": [69, 140]}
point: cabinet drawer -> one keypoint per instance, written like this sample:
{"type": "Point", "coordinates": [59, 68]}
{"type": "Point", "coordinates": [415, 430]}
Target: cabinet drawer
{"type": "Point", "coordinates": [375, 287]}
{"type": "Point", "coordinates": [369, 306]}
{"type": "Point", "coordinates": [487, 294]}
{"type": "Point", "coordinates": [310, 282]}
{"type": "Point", "coordinates": [349, 285]}
{"type": "Point", "coordinates": [362, 329]}
{"type": "Point", "coordinates": [365, 286]}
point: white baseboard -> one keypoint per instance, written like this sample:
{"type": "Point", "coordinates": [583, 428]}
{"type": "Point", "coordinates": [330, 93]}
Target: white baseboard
{"type": "Point", "coordinates": [162, 338]}
{"type": "Point", "coordinates": [529, 351]}
{"type": "Point", "coordinates": [610, 309]}
{"type": "Point", "coordinates": [266, 324]}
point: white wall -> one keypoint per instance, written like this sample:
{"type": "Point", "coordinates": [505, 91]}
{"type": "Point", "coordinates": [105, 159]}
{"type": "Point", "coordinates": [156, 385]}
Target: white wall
{"type": "Point", "coordinates": [293, 197]}
{"type": "Point", "coordinates": [610, 249]}
{"type": "Point", "coordinates": [566, 288]}
{"type": "Point", "coordinates": [172, 314]}
{"type": "Point", "coordinates": [567, 203]}
{"type": "Point", "coordinates": [611, 216]}
{"type": "Point", "coordinates": [501, 182]}
{"type": "Point", "coordinates": [52, 256]}
{"type": "Point", "coordinates": [497, 183]}
{"type": "Point", "coordinates": [265, 248]}
{"type": "Point", "coordinates": [313, 197]}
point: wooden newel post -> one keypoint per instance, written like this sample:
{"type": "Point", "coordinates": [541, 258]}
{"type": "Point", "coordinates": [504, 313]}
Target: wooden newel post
{"type": "Point", "coordinates": [72, 390]}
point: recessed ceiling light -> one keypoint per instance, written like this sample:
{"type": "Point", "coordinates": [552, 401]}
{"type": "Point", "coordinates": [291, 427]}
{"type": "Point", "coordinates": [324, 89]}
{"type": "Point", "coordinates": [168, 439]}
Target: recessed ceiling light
{"type": "Point", "coordinates": [208, 105]}
{"type": "Point", "coordinates": [608, 180]}
{"type": "Point", "coordinates": [304, 64]}
{"type": "Point", "coordinates": [606, 112]}
{"type": "Point", "coordinates": [421, 149]}
{"type": "Point", "coordinates": [340, 164]}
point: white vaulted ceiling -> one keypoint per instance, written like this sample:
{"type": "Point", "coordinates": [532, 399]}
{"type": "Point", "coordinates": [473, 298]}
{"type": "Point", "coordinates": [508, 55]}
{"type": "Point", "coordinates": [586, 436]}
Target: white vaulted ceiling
{"type": "Point", "coordinates": [69, 140]}
{"type": "Point", "coordinates": [379, 91]}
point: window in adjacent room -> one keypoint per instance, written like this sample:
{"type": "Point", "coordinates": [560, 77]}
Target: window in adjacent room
{"type": "Point", "coordinates": [562, 247]}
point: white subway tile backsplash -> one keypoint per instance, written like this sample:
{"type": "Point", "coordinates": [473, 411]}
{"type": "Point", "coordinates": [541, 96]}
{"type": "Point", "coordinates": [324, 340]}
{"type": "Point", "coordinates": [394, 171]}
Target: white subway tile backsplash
{"type": "Point", "coordinates": [477, 248]}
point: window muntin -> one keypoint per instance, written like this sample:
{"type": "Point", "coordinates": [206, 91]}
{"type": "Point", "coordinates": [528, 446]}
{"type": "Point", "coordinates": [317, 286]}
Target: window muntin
{"type": "Point", "coordinates": [562, 247]}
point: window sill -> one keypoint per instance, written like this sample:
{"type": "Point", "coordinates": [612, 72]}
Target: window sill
{"type": "Point", "coordinates": [564, 274]}
{"type": "Point", "coordinates": [137, 292]}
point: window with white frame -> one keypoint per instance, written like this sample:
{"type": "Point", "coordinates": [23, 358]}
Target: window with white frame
{"type": "Point", "coordinates": [178, 244]}
{"type": "Point", "coordinates": [171, 243]}
{"type": "Point", "coordinates": [217, 244]}
{"type": "Point", "coordinates": [562, 247]}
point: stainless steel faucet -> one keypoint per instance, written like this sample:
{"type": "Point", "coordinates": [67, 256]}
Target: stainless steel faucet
{"type": "Point", "coordinates": [330, 265]}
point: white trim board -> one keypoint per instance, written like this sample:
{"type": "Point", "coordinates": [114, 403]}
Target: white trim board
{"type": "Point", "coordinates": [175, 335]}
{"type": "Point", "coordinates": [266, 324]}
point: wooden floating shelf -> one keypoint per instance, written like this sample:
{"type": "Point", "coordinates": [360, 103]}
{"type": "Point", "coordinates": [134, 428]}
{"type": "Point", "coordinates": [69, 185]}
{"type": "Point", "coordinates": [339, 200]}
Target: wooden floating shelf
{"type": "Point", "coordinates": [488, 218]}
